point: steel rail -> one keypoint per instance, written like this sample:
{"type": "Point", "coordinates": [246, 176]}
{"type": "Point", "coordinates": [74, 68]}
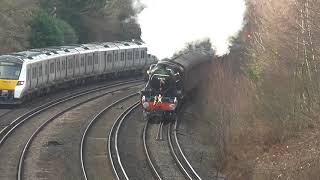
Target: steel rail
{"type": "Point", "coordinates": [182, 168]}
{"type": "Point", "coordinates": [113, 143]}
{"type": "Point", "coordinates": [180, 151]}
{"type": "Point", "coordinates": [92, 121]}
{"type": "Point", "coordinates": [146, 150]}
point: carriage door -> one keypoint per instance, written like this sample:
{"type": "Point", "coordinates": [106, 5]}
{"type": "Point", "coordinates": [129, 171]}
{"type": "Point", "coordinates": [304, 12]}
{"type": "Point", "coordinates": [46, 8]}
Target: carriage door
{"type": "Point", "coordinates": [29, 76]}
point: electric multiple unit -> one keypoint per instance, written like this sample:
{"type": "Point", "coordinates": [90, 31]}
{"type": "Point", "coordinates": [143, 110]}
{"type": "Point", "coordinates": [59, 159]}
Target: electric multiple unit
{"type": "Point", "coordinates": [24, 74]}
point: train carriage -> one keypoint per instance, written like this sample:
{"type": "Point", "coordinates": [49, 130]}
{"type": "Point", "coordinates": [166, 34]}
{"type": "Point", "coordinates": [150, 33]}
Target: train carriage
{"type": "Point", "coordinates": [34, 72]}
{"type": "Point", "coordinates": [111, 58]}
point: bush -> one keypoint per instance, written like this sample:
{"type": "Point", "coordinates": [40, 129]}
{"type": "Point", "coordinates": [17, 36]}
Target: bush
{"type": "Point", "coordinates": [69, 34]}
{"type": "Point", "coordinates": [50, 31]}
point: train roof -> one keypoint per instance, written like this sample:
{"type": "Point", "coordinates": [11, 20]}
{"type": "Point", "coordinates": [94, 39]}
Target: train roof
{"type": "Point", "coordinates": [34, 55]}
{"type": "Point", "coordinates": [28, 55]}
{"type": "Point", "coordinates": [109, 46]}
{"type": "Point", "coordinates": [188, 60]}
{"type": "Point", "coordinates": [128, 45]}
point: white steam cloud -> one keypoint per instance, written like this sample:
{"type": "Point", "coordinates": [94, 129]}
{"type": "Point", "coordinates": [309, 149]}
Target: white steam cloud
{"type": "Point", "coordinates": [167, 25]}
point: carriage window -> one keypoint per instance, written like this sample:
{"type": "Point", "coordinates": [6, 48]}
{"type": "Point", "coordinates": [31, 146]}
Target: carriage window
{"type": "Point", "coordinates": [109, 58]}
{"type": "Point", "coordinates": [63, 64]}
{"type": "Point", "coordinates": [69, 63]}
{"type": "Point", "coordinates": [58, 66]}
{"type": "Point", "coordinates": [40, 70]}
{"type": "Point", "coordinates": [46, 69]}
{"type": "Point", "coordinates": [34, 72]}
{"type": "Point", "coordinates": [29, 73]}
{"type": "Point", "coordinates": [142, 54]}
{"type": "Point", "coordinates": [51, 67]}
{"type": "Point", "coordinates": [116, 57]}
{"type": "Point", "coordinates": [137, 55]}
{"type": "Point", "coordinates": [122, 56]}
{"type": "Point", "coordinates": [77, 63]}
{"type": "Point", "coordinates": [90, 60]}
{"type": "Point", "coordinates": [129, 55]}
{"type": "Point", "coordinates": [82, 61]}
{"type": "Point", "coordinates": [96, 59]}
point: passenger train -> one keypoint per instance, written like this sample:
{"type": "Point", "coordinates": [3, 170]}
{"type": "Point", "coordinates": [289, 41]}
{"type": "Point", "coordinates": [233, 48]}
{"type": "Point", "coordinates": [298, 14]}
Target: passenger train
{"type": "Point", "coordinates": [33, 72]}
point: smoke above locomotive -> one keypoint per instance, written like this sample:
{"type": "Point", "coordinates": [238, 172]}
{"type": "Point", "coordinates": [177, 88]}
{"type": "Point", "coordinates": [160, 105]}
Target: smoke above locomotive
{"type": "Point", "coordinates": [167, 25]}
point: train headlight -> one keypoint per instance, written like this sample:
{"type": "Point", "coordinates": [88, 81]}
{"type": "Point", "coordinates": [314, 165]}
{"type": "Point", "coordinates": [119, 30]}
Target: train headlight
{"type": "Point", "coordinates": [145, 105]}
{"type": "Point", "coordinates": [20, 83]}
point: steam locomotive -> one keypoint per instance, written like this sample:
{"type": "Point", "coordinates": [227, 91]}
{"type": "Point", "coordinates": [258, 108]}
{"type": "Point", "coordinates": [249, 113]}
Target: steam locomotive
{"type": "Point", "coordinates": [171, 81]}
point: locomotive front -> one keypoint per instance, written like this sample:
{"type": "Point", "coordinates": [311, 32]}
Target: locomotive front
{"type": "Point", "coordinates": [10, 70]}
{"type": "Point", "coordinates": [161, 95]}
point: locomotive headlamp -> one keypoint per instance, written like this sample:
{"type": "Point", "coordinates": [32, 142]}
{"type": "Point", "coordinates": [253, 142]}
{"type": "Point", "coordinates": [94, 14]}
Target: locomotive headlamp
{"type": "Point", "coordinates": [20, 83]}
{"type": "Point", "coordinates": [145, 105]}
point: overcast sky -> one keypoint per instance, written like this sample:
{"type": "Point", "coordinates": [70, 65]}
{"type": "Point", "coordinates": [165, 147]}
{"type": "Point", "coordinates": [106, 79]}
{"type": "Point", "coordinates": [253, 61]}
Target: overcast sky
{"type": "Point", "coordinates": [168, 24]}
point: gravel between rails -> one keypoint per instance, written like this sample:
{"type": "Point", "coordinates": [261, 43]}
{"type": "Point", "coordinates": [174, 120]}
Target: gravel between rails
{"type": "Point", "coordinates": [131, 147]}
{"type": "Point", "coordinates": [160, 154]}
{"type": "Point", "coordinates": [95, 152]}
{"type": "Point", "coordinates": [9, 152]}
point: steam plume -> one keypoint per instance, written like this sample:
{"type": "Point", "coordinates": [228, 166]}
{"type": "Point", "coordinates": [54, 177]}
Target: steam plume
{"type": "Point", "coordinates": [167, 25]}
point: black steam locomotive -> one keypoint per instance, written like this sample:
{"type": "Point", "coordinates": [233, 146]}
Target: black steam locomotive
{"type": "Point", "coordinates": [171, 80]}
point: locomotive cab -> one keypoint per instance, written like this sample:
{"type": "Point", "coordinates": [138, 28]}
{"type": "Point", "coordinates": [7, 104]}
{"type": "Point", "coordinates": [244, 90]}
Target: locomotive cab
{"type": "Point", "coordinates": [10, 70]}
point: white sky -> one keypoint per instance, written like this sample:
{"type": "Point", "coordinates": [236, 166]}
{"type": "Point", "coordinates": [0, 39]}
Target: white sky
{"type": "Point", "coordinates": [167, 25]}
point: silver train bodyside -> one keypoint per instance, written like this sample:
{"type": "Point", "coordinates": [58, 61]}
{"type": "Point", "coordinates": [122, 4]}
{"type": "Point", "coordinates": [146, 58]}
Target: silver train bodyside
{"type": "Point", "coordinates": [45, 69]}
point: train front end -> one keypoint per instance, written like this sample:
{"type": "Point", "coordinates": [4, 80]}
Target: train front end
{"type": "Point", "coordinates": [161, 96]}
{"type": "Point", "coordinates": [11, 85]}
{"type": "Point", "coordinates": [163, 108]}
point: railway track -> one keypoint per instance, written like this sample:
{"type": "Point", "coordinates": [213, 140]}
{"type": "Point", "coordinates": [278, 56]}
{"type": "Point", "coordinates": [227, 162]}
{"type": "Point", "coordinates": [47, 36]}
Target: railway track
{"type": "Point", "coordinates": [157, 150]}
{"type": "Point", "coordinates": [178, 154]}
{"type": "Point", "coordinates": [10, 129]}
{"type": "Point", "coordinates": [95, 132]}
{"type": "Point", "coordinates": [173, 148]}
{"type": "Point", "coordinates": [152, 166]}
{"type": "Point", "coordinates": [114, 155]}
